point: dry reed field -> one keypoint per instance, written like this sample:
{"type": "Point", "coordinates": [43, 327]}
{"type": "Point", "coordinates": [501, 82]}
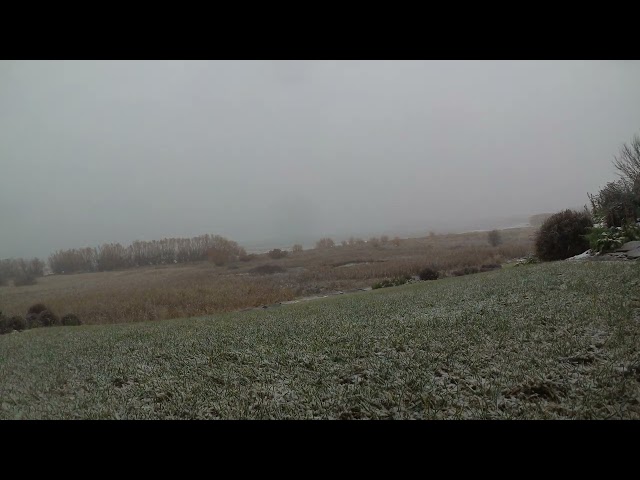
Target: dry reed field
{"type": "Point", "coordinates": [175, 291]}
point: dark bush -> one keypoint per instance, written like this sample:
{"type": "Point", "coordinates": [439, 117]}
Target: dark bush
{"type": "Point", "coordinates": [37, 308]}
{"type": "Point", "coordinates": [428, 273]}
{"type": "Point", "coordinates": [5, 327]}
{"type": "Point", "coordinates": [562, 235]}
{"type": "Point", "coordinates": [296, 248]}
{"type": "Point", "coordinates": [48, 319]}
{"type": "Point", "coordinates": [277, 253]}
{"type": "Point", "coordinates": [267, 269]}
{"type": "Point", "coordinates": [9, 324]}
{"type": "Point", "coordinates": [247, 257]}
{"type": "Point", "coordinates": [33, 320]}
{"type": "Point", "coordinates": [70, 320]}
{"type": "Point", "coordinates": [18, 323]}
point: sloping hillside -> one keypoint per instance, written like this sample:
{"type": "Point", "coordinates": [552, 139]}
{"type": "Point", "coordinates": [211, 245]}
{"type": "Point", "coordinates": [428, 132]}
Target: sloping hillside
{"type": "Point", "coordinates": [556, 340]}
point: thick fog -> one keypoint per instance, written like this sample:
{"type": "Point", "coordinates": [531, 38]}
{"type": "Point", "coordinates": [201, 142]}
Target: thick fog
{"type": "Point", "coordinates": [114, 151]}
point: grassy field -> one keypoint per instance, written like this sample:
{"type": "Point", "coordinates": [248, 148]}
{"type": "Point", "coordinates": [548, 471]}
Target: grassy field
{"type": "Point", "coordinates": [176, 291]}
{"type": "Point", "coordinates": [556, 340]}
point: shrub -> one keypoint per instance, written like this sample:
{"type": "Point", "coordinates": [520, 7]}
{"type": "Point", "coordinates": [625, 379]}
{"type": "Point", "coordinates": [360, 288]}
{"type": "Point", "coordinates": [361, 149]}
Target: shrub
{"type": "Point", "coordinates": [494, 238]}
{"type": "Point", "coordinates": [396, 241]}
{"type": "Point", "coordinates": [296, 248]}
{"type": "Point", "coordinates": [37, 308]}
{"type": "Point", "coordinates": [277, 253]}
{"type": "Point", "coordinates": [70, 320]}
{"type": "Point", "coordinates": [618, 203]}
{"type": "Point", "coordinates": [9, 324]}
{"type": "Point", "coordinates": [33, 320]}
{"type": "Point", "coordinates": [384, 239]}
{"type": "Point", "coordinates": [392, 282]}
{"type": "Point", "coordinates": [4, 325]}
{"type": "Point", "coordinates": [603, 239]}
{"type": "Point", "coordinates": [18, 323]}
{"type": "Point", "coordinates": [562, 235]}
{"type": "Point", "coordinates": [247, 257]}
{"type": "Point", "coordinates": [428, 273]}
{"type": "Point", "coordinates": [48, 319]}
{"type": "Point", "coordinates": [615, 205]}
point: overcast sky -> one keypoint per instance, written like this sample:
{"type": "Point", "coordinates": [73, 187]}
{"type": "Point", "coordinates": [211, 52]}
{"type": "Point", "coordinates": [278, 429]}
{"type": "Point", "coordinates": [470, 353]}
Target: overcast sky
{"type": "Point", "coordinates": [113, 151]}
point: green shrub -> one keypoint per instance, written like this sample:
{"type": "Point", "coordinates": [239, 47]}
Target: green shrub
{"type": "Point", "coordinates": [394, 282]}
{"type": "Point", "coordinates": [603, 239]}
{"type": "Point", "coordinates": [563, 235]}
{"type": "Point", "coordinates": [429, 273]}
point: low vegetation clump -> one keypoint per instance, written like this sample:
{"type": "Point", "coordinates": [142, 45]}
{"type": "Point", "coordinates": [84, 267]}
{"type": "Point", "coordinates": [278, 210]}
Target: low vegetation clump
{"type": "Point", "coordinates": [563, 235]}
{"type": "Point", "coordinates": [429, 273]}
{"type": "Point", "coordinates": [37, 308]}
{"type": "Point", "coordinates": [9, 324]}
{"type": "Point", "coordinates": [394, 282]}
{"type": "Point", "coordinates": [37, 316]}
{"type": "Point", "coordinates": [606, 239]}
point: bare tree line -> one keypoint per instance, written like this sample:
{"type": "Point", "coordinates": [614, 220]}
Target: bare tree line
{"type": "Point", "coordinates": [113, 256]}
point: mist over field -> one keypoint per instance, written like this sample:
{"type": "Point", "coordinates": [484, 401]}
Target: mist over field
{"type": "Point", "coordinates": [288, 151]}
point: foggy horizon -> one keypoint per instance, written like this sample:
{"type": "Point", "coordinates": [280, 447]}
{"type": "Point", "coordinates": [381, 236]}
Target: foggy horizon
{"type": "Point", "coordinates": [96, 152]}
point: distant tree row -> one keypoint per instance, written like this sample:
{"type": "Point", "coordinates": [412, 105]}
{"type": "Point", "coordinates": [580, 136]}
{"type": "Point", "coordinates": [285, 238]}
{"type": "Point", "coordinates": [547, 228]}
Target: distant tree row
{"type": "Point", "coordinates": [113, 256]}
{"type": "Point", "coordinates": [21, 271]}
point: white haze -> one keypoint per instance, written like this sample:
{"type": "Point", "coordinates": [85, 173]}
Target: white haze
{"type": "Point", "coordinates": [274, 151]}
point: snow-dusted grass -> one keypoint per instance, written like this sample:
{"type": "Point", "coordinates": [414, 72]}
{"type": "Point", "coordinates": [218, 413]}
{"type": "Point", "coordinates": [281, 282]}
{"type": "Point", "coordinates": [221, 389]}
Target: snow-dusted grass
{"type": "Point", "coordinates": [554, 340]}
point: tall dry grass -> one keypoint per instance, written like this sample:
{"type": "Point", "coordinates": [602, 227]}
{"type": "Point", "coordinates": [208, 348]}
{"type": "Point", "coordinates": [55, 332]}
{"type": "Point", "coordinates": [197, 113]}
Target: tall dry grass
{"type": "Point", "coordinates": [173, 291]}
